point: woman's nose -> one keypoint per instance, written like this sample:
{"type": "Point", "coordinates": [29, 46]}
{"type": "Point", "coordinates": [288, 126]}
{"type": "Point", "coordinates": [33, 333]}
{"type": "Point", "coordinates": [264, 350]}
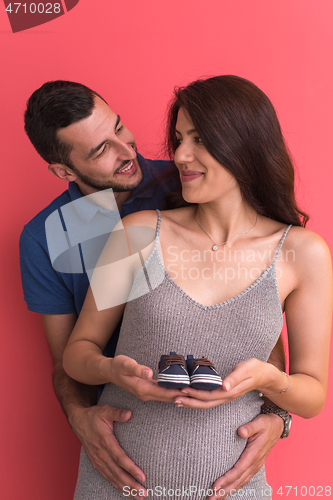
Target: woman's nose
{"type": "Point", "coordinates": [183, 154]}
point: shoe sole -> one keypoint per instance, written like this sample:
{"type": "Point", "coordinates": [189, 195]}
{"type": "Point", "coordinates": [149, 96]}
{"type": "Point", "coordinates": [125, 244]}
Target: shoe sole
{"type": "Point", "coordinates": [205, 382]}
{"type": "Point", "coordinates": [173, 381]}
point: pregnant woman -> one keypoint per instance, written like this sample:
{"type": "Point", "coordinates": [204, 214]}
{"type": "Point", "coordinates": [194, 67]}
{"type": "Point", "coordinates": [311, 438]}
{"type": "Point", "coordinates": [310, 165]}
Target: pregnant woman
{"type": "Point", "coordinates": [215, 282]}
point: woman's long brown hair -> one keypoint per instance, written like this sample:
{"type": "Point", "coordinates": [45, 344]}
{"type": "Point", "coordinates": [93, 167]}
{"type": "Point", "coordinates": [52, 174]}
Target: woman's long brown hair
{"type": "Point", "coordinates": [238, 126]}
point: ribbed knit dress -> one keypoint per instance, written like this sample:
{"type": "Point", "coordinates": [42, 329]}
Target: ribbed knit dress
{"type": "Point", "coordinates": [182, 451]}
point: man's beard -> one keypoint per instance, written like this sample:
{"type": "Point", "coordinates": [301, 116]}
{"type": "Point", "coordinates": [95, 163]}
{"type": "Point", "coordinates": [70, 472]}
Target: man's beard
{"type": "Point", "coordinates": [117, 186]}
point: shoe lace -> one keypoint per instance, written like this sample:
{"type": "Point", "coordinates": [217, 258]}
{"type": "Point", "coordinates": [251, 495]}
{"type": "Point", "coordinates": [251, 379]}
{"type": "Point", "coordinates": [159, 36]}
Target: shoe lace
{"type": "Point", "coordinates": [174, 359]}
{"type": "Point", "coordinates": [204, 362]}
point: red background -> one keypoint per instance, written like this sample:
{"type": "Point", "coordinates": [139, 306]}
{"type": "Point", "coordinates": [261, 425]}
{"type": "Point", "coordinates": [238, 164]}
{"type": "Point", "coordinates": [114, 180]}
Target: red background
{"type": "Point", "coordinates": [133, 53]}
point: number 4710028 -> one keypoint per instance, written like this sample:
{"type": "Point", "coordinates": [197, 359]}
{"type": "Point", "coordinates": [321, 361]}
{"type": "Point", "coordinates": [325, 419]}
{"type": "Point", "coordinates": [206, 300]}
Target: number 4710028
{"type": "Point", "coordinates": [304, 491]}
{"type": "Point", "coordinates": [34, 8]}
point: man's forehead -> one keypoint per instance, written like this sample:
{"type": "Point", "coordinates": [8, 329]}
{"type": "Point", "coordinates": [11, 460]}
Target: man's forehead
{"type": "Point", "coordinates": [84, 133]}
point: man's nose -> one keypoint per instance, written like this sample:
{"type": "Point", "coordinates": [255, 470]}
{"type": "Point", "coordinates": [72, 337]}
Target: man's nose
{"type": "Point", "coordinates": [126, 150]}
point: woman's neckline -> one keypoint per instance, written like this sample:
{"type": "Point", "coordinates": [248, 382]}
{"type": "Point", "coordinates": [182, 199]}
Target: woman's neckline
{"type": "Point", "coordinates": [224, 302]}
{"type": "Point", "coordinates": [231, 299]}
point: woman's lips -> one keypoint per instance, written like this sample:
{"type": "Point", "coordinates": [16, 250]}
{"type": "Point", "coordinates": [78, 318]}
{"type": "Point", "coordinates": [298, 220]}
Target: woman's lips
{"type": "Point", "coordinates": [190, 175]}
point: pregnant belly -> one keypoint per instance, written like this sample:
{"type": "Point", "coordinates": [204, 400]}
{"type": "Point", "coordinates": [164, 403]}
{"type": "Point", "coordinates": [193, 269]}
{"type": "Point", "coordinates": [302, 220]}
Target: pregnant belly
{"type": "Point", "coordinates": [181, 447]}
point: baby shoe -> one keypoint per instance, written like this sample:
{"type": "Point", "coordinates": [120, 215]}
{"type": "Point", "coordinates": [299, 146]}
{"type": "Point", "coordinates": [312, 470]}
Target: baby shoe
{"type": "Point", "coordinates": [172, 372]}
{"type": "Point", "coordinates": [203, 374]}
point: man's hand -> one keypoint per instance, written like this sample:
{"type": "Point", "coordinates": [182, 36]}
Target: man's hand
{"type": "Point", "coordinates": [262, 434]}
{"type": "Point", "coordinates": [94, 428]}
{"type": "Point", "coordinates": [93, 425]}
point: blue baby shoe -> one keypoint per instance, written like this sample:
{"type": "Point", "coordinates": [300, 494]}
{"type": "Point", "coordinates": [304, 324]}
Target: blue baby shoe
{"type": "Point", "coordinates": [203, 374]}
{"type": "Point", "coordinates": [172, 372]}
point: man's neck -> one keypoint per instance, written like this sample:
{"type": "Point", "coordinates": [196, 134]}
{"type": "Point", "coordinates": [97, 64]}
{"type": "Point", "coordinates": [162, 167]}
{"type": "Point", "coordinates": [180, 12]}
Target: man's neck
{"type": "Point", "coordinates": [121, 197]}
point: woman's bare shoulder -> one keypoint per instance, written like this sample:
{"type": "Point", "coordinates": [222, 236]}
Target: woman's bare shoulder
{"type": "Point", "coordinates": [180, 216]}
{"type": "Point", "coordinates": [149, 217]}
{"type": "Point", "coordinates": [311, 252]}
{"type": "Point", "coordinates": [306, 242]}
{"type": "Point", "coordinates": [142, 218]}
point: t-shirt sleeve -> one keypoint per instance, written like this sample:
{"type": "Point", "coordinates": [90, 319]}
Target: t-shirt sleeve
{"type": "Point", "coordinates": [44, 288]}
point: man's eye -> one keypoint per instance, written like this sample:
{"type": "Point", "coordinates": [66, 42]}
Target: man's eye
{"type": "Point", "coordinates": [102, 152]}
{"type": "Point", "coordinates": [119, 129]}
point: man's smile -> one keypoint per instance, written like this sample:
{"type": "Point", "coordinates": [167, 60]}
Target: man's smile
{"type": "Point", "coordinates": [128, 169]}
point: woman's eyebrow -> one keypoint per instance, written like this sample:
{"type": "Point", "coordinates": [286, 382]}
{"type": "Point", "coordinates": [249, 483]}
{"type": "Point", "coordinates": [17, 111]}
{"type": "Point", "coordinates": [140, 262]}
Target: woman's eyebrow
{"type": "Point", "coordinates": [188, 132]}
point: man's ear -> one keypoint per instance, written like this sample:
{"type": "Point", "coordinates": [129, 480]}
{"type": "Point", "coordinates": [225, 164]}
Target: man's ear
{"type": "Point", "coordinates": [62, 171]}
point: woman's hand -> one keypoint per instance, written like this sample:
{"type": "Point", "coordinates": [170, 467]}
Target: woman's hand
{"type": "Point", "coordinates": [137, 379]}
{"type": "Point", "coordinates": [245, 377]}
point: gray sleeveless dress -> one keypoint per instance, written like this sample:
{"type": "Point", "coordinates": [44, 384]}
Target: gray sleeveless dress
{"type": "Point", "coordinates": [182, 451]}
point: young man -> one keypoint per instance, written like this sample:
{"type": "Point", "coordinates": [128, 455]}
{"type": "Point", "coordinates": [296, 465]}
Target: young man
{"type": "Point", "coordinates": [85, 143]}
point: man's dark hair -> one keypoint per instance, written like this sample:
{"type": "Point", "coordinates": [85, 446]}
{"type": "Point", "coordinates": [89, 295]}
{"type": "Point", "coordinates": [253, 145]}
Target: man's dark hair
{"type": "Point", "coordinates": [55, 105]}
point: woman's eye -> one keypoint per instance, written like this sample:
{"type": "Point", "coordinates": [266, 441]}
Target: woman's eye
{"type": "Point", "coordinates": [198, 140]}
{"type": "Point", "coordinates": [178, 140]}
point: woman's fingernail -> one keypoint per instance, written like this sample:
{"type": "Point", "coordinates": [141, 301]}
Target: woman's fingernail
{"type": "Point", "coordinates": [227, 386]}
{"type": "Point", "coordinates": [179, 404]}
{"type": "Point", "coordinates": [184, 392]}
{"type": "Point", "coordinates": [146, 373]}
{"type": "Point", "coordinates": [138, 478]}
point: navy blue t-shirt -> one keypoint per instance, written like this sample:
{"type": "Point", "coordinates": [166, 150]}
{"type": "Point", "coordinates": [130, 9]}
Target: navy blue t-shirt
{"type": "Point", "coordinates": [50, 288]}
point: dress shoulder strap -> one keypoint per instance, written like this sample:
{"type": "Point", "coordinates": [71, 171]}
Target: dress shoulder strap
{"type": "Point", "coordinates": [281, 242]}
{"type": "Point", "coordinates": [158, 223]}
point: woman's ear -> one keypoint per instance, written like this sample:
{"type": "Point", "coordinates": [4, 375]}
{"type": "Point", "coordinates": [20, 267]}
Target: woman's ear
{"type": "Point", "coordinates": [62, 171]}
